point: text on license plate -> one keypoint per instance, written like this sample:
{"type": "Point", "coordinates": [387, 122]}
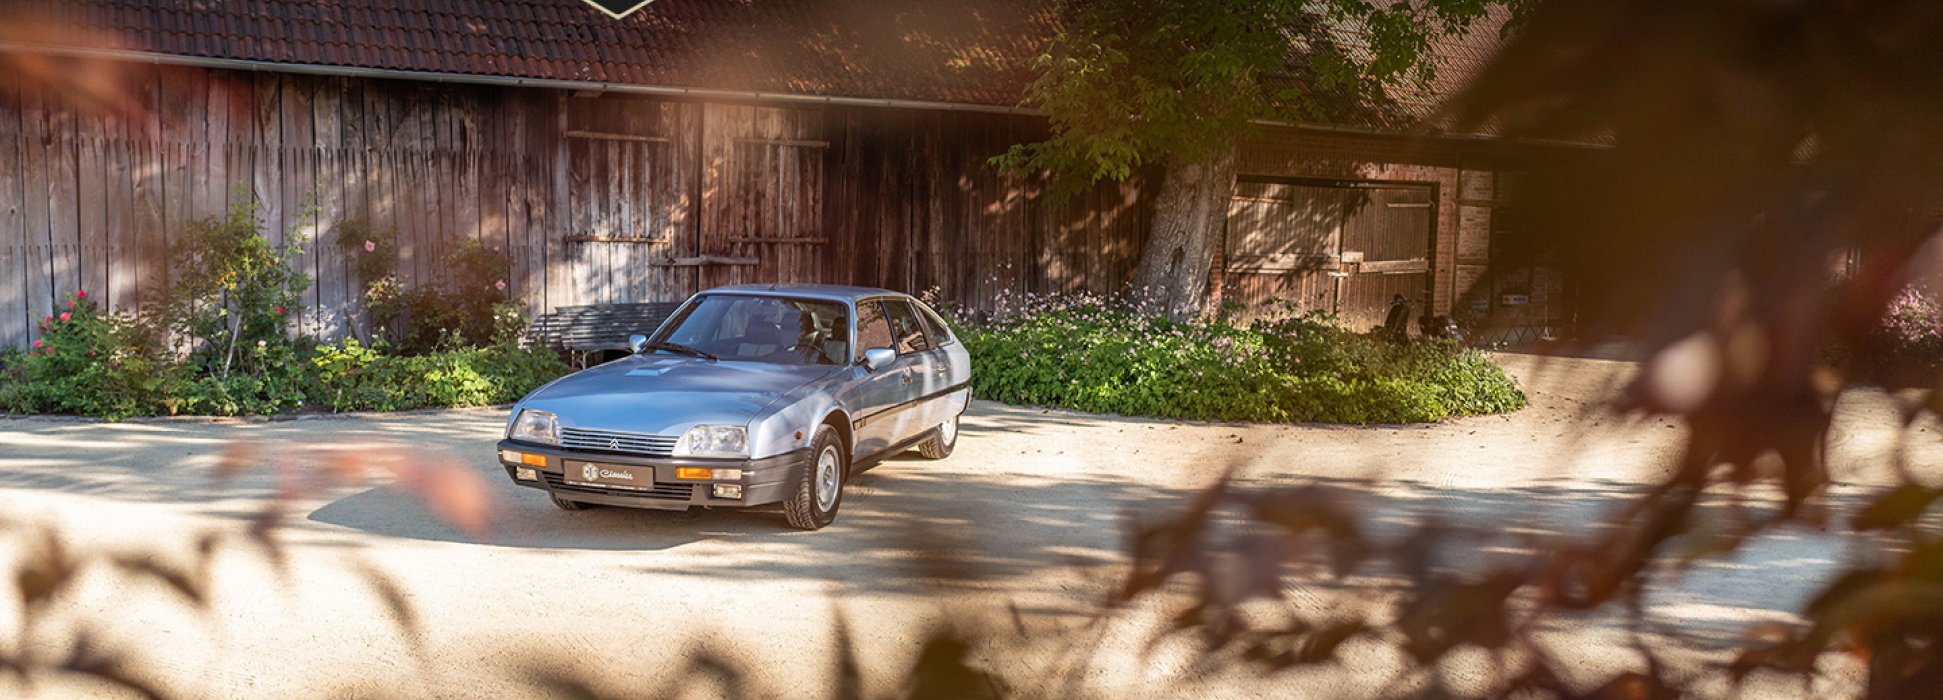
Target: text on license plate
{"type": "Point", "coordinates": [611, 476]}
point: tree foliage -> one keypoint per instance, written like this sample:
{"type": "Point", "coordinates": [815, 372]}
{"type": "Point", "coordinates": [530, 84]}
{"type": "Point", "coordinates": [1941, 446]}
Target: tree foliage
{"type": "Point", "coordinates": [1131, 82]}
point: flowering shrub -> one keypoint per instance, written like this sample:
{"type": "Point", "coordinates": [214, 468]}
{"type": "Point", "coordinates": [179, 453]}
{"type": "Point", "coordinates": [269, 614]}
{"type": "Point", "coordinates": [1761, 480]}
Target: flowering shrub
{"type": "Point", "coordinates": [232, 293]}
{"type": "Point", "coordinates": [89, 362]}
{"type": "Point", "coordinates": [1086, 353]}
{"type": "Point", "coordinates": [466, 308]}
{"type": "Point", "coordinates": [1911, 337]}
{"type": "Point", "coordinates": [232, 350]}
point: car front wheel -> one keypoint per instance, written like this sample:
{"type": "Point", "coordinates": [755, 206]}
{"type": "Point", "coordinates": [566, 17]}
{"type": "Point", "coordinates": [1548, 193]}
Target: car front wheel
{"type": "Point", "coordinates": [819, 491]}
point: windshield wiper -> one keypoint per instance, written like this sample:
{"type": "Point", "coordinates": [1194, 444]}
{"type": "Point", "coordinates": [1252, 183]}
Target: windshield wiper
{"type": "Point", "coordinates": [683, 349]}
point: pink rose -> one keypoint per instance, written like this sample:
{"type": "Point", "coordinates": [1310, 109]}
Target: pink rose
{"type": "Point", "coordinates": [81, 294]}
{"type": "Point", "coordinates": [38, 343]}
{"type": "Point", "coordinates": [370, 247]}
{"type": "Point", "coordinates": [66, 316]}
{"type": "Point", "coordinates": [500, 285]}
{"type": "Point", "coordinates": [279, 311]}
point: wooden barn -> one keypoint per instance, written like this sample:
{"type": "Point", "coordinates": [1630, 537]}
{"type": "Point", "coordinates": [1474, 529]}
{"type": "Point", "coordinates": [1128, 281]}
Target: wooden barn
{"type": "Point", "coordinates": [694, 143]}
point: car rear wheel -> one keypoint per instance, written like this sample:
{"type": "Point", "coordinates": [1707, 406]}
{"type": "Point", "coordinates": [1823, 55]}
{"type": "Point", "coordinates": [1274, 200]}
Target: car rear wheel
{"type": "Point", "coordinates": [564, 504]}
{"type": "Point", "coordinates": [943, 439]}
{"type": "Point", "coordinates": [819, 491]}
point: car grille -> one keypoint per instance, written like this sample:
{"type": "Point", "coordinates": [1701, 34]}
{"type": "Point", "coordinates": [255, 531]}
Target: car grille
{"type": "Point", "coordinates": [617, 442]}
{"type": "Point", "coordinates": [661, 491]}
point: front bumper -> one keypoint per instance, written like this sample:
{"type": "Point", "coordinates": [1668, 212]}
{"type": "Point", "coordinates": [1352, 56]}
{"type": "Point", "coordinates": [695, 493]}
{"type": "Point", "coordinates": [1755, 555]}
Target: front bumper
{"type": "Point", "coordinates": [764, 481]}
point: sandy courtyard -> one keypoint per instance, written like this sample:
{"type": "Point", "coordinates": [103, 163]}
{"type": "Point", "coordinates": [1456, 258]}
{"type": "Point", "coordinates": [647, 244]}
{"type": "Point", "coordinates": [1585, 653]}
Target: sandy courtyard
{"type": "Point", "coordinates": [1033, 500]}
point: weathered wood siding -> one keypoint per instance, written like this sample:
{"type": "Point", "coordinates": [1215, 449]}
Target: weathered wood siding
{"type": "Point", "coordinates": [597, 198]}
{"type": "Point", "coordinates": [594, 197]}
{"type": "Point", "coordinates": [95, 198]}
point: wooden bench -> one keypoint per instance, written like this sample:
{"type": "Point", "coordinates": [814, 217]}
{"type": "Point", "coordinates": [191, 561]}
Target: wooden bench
{"type": "Point", "coordinates": [584, 332]}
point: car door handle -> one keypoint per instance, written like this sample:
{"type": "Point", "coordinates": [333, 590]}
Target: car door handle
{"type": "Point", "coordinates": [943, 369]}
{"type": "Point", "coordinates": [907, 377]}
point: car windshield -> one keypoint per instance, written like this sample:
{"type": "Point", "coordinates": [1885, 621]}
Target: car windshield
{"type": "Point", "coordinates": [760, 329]}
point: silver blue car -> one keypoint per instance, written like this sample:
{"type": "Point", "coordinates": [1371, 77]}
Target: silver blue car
{"type": "Point", "coordinates": [745, 396]}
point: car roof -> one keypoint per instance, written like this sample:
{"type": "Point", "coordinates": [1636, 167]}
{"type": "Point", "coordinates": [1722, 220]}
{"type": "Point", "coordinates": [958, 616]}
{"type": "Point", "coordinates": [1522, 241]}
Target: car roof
{"type": "Point", "coordinates": [835, 292]}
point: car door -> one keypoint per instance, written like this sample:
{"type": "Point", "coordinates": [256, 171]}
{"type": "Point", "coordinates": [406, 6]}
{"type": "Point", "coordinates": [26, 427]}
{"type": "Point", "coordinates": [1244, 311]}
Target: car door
{"type": "Point", "coordinates": [953, 369]}
{"type": "Point", "coordinates": [880, 400]}
{"type": "Point", "coordinates": [931, 372]}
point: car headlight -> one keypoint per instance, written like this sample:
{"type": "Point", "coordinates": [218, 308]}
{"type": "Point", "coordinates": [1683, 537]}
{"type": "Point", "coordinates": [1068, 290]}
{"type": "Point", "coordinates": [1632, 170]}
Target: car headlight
{"type": "Point", "coordinates": [535, 426]}
{"type": "Point", "coordinates": [713, 441]}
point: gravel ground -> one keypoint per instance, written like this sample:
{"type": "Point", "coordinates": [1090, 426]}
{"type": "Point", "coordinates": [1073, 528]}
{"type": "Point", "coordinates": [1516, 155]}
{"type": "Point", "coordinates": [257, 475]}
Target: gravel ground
{"type": "Point", "coordinates": [1034, 500]}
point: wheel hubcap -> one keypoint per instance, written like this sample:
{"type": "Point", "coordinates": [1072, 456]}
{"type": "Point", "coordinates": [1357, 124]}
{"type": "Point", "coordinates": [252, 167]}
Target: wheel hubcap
{"type": "Point", "coordinates": [828, 478]}
{"type": "Point", "coordinates": [949, 430]}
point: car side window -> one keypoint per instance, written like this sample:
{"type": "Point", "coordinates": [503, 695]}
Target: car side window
{"type": "Point", "coordinates": [908, 331]}
{"type": "Point", "coordinates": [873, 330]}
{"type": "Point", "coordinates": [934, 325]}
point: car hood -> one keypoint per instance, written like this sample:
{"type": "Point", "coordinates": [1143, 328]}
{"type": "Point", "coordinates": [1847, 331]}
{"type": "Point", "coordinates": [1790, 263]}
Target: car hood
{"type": "Point", "coordinates": [665, 395]}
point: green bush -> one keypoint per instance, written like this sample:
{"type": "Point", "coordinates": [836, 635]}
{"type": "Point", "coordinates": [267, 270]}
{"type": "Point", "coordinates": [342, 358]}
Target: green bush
{"type": "Point", "coordinates": [1085, 353]}
{"type": "Point", "coordinates": [87, 362]}
{"type": "Point", "coordinates": [353, 377]}
{"type": "Point", "coordinates": [231, 298]}
{"type": "Point", "coordinates": [466, 307]}
{"type": "Point", "coordinates": [232, 350]}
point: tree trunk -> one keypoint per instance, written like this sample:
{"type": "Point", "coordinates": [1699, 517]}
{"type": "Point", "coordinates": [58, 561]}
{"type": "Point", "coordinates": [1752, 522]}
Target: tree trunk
{"type": "Point", "coordinates": [1188, 216]}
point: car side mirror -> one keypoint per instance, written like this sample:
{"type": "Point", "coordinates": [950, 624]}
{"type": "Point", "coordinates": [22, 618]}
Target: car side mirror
{"type": "Point", "coordinates": [878, 357]}
{"type": "Point", "coordinates": [637, 343]}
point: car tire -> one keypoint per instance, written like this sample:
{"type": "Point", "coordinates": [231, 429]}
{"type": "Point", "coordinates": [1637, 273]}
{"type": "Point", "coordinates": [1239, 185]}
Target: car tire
{"type": "Point", "coordinates": [943, 439]}
{"type": "Point", "coordinates": [819, 489]}
{"type": "Point", "coordinates": [564, 504]}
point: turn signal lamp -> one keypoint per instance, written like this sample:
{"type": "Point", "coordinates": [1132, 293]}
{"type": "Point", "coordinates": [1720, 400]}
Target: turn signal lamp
{"type": "Point", "coordinates": [707, 474]}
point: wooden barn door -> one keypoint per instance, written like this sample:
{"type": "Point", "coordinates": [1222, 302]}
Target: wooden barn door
{"type": "Point", "coordinates": [1385, 253]}
{"type": "Point", "coordinates": [1340, 247]}
{"type": "Point", "coordinates": [1282, 247]}
{"type": "Point", "coordinates": [762, 194]}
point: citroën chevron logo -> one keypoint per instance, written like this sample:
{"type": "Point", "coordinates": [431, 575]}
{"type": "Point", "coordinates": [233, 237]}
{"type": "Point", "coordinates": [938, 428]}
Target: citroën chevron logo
{"type": "Point", "coordinates": [618, 9]}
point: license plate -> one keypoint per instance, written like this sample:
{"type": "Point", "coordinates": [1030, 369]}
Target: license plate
{"type": "Point", "coordinates": [611, 476]}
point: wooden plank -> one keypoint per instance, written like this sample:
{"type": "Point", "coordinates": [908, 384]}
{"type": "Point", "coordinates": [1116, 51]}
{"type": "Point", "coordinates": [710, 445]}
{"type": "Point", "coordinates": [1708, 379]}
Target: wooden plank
{"type": "Point", "coordinates": [609, 136]}
{"type": "Point", "coordinates": [215, 193]}
{"type": "Point", "coordinates": [121, 283]}
{"type": "Point", "coordinates": [299, 175]}
{"type": "Point", "coordinates": [489, 187]}
{"type": "Point", "coordinates": [328, 295]}
{"type": "Point", "coordinates": [707, 260]}
{"type": "Point", "coordinates": [785, 142]}
{"type": "Point", "coordinates": [150, 168]}
{"type": "Point", "coordinates": [562, 282]}
{"type": "Point", "coordinates": [91, 204]}
{"type": "Point", "coordinates": [242, 149]}
{"type": "Point", "coordinates": [815, 240]}
{"type": "Point", "coordinates": [1395, 267]}
{"type": "Point", "coordinates": [15, 321]}
{"type": "Point", "coordinates": [512, 178]}
{"type": "Point", "coordinates": [266, 182]}
{"type": "Point", "coordinates": [177, 215]}
{"type": "Point", "coordinates": [63, 196]}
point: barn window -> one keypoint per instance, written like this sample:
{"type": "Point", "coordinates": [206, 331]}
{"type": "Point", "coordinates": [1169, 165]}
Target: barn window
{"type": "Point", "coordinates": [621, 172]}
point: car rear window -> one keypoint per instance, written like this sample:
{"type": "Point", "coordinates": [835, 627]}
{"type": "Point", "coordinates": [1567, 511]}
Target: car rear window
{"type": "Point", "coordinates": [934, 324]}
{"type": "Point", "coordinates": [906, 328]}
